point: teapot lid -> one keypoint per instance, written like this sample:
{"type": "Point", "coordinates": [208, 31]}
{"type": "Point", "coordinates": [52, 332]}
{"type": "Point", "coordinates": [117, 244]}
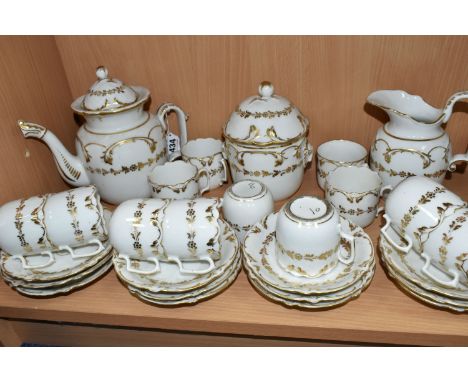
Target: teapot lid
{"type": "Point", "coordinates": [109, 95]}
{"type": "Point", "coordinates": [265, 119]}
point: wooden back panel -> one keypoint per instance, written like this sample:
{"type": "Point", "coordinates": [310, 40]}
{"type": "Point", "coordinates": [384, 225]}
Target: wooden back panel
{"type": "Point", "coordinates": [328, 78]}
{"type": "Point", "coordinates": [33, 86]}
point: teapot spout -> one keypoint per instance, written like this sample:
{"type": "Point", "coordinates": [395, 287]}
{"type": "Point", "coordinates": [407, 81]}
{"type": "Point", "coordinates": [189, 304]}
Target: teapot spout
{"type": "Point", "coordinates": [70, 167]}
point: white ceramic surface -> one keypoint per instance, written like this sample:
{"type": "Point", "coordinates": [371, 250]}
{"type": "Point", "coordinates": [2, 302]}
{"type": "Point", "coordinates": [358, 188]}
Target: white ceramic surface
{"type": "Point", "coordinates": [413, 142]}
{"type": "Point", "coordinates": [337, 153]}
{"type": "Point", "coordinates": [260, 258]}
{"type": "Point", "coordinates": [355, 193]}
{"type": "Point", "coordinates": [266, 140]}
{"type": "Point", "coordinates": [416, 207]}
{"type": "Point", "coordinates": [178, 180]}
{"type": "Point", "coordinates": [208, 154]}
{"type": "Point", "coordinates": [309, 238]}
{"type": "Point", "coordinates": [170, 280]}
{"type": "Point", "coordinates": [118, 144]}
{"type": "Point", "coordinates": [244, 204]}
{"type": "Point", "coordinates": [150, 230]}
{"type": "Point", "coordinates": [47, 223]}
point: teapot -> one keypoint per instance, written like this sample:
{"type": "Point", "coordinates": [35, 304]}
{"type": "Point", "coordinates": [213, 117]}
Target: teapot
{"type": "Point", "coordinates": [119, 143]}
{"type": "Point", "coordinates": [413, 142]}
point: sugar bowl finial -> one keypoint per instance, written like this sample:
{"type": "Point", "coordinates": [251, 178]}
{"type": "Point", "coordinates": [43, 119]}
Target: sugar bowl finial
{"type": "Point", "coordinates": [266, 89]}
{"type": "Point", "coordinates": [101, 72]}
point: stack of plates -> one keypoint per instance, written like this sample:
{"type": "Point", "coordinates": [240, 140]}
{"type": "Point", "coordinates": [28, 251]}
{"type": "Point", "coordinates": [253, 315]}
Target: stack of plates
{"type": "Point", "coordinates": [342, 284]}
{"type": "Point", "coordinates": [405, 269]}
{"type": "Point", "coordinates": [170, 287]}
{"type": "Point", "coordinates": [62, 276]}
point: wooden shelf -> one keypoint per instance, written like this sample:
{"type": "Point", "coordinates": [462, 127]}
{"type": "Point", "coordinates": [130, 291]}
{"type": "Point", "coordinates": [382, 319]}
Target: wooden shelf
{"type": "Point", "coordinates": [382, 314]}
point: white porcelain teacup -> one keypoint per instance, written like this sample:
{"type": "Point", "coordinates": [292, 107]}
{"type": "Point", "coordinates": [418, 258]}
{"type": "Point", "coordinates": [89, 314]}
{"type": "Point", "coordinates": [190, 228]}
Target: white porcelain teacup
{"type": "Point", "coordinates": [337, 153]}
{"type": "Point", "coordinates": [415, 207]}
{"type": "Point", "coordinates": [42, 225]}
{"type": "Point", "coordinates": [155, 230]}
{"type": "Point", "coordinates": [178, 180]}
{"type": "Point", "coordinates": [309, 238]}
{"type": "Point", "coordinates": [244, 204]}
{"type": "Point", "coordinates": [355, 192]}
{"type": "Point", "coordinates": [208, 154]}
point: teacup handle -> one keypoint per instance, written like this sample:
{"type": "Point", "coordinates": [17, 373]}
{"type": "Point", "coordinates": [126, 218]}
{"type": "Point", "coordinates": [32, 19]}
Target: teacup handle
{"type": "Point", "coordinates": [224, 164]}
{"type": "Point", "coordinates": [162, 112]}
{"type": "Point", "coordinates": [94, 253]}
{"type": "Point", "coordinates": [25, 264]}
{"type": "Point", "coordinates": [349, 260]}
{"type": "Point", "coordinates": [425, 270]}
{"type": "Point", "coordinates": [457, 158]}
{"type": "Point", "coordinates": [202, 173]}
{"type": "Point", "coordinates": [140, 272]}
{"type": "Point", "coordinates": [388, 187]}
{"type": "Point", "coordinates": [308, 154]}
{"type": "Point", "coordinates": [183, 271]}
{"type": "Point", "coordinates": [383, 230]}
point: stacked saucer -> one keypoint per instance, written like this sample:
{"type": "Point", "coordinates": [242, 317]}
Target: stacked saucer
{"type": "Point", "coordinates": [64, 275]}
{"type": "Point", "coordinates": [170, 287]}
{"type": "Point", "coordinates": [406, 269]}
{"type": "Point", "coordinates": [336, 287]}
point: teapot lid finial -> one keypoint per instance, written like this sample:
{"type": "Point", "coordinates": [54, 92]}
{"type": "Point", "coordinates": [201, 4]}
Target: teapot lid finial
{"type": "Point", "coordinates": [266, 89]}
{"type": "Point", "coordinates": [102, 72]}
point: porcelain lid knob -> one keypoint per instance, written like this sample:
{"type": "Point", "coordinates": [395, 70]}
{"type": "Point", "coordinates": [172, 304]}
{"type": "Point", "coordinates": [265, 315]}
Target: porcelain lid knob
{"type": "Point", "coordinates": [101, 72]}
{"type": "Point", "coordinates": [266, 89]}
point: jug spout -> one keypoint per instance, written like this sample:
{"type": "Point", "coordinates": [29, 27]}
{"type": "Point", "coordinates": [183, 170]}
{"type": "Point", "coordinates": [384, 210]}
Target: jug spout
{"type": "Point", "coordinates": [70, 167]}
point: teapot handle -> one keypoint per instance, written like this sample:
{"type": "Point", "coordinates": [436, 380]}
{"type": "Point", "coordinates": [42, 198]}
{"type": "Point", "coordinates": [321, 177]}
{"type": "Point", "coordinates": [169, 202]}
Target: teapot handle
{"type": "Point", "coordinates": [447, 111]}
{"type": "Point", "coordinates": [182, 118]}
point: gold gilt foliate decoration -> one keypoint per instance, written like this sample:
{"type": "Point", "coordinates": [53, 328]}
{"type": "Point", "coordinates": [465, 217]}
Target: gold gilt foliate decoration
{"type": "Point", "coordinates": [264, 114]}
{"type": "Point", "coordinates": [357, 211]}
{"type": "Point", "coordinates": [376, 166]}
{"type": "Point", "coordinates": [425, 157]}
{"type": "Point", "coordinates": [190, 216]}
{"type": "Point", "coordinates": [19, 226]}
{"type": "Point", "coordinates": [155, 220]}
{"type": "Point", "coordinates": [352, 197]}
{"type": "Point", "coordinates": [308, 256]}
{"type": "Point", "coordinates": [127, 169]}
{"type": "Point", "coordinates": [447, 238]}
{"type": "Point", "coordinates": [89, 203]}
{"type": "Point", "coordinates": [177, 188]}
{"type": "Point", "coordinates": [72, 211]}
{"type": "Point", "coordinates": [135, 234]}
{"type": "Point", "coordinates": [210, 216]}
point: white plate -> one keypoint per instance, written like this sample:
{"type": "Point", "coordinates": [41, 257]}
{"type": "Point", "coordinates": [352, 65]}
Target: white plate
{"type": "Point", "coordinates": [56, 283]}
{"type": "Point", "coordinates": [315, 299]}
{"type": "Point", "coordinates": [174, 297]}
{"type": "Point", "coordinates": [67, 288]}
{"type": "Point", "coordinates": [64, 266]}
{"type": "Point", "coordinates": [410, 265]}
{"type": "Point", "coordinates": [195, 299]}
{"type": "Point", "coordinates": [259, 255]}
{"type": "Point", "coordinates": [170, 280]}
{"type": "Point", "coordinates": [316, 305]}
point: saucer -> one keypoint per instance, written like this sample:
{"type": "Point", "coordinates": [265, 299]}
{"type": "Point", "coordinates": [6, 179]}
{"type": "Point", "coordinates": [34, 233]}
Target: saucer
{"type": "Point", "coordinates": [56, 283]}
{"type": "Point", "coordinates": [314, 301]}
{"type": "Point", "coordinates": [65, 289]}
{"type": "Point", "coordinates": [259, 255]}
{"type": "Point", "coordinates": [170, 280]}
{"type": "Point", "coordinates": [192, 297]}
{"type": "Point", "coordinates": [409, 266]}
{"type": "Point", "coordinates": [64, 266]}
{"type": "Point", "coordinates": [426, 296]}
{"type": "Point", "coordinates": [318, 305]}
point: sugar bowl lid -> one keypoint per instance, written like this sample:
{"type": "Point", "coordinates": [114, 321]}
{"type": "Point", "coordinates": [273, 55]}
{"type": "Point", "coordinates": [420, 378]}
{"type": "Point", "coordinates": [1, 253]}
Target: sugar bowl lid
{"type": "Point", "coordinates": [109, 95]}
{"type": "Point", "coordinates": [265, 119]}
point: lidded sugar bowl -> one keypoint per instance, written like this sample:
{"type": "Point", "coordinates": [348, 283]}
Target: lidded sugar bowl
{"type": "Point", "coordinates": [118, 144]}
{"type": "Point", "coordinates": [266, 140]}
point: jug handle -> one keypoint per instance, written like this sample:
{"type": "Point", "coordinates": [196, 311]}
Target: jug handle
{"type": "Point", "coordinates": [182, 118]}
{"type": "Point", "coordinates": [457, 158]}
{"type": "Point", "coordinates": [447, 111]}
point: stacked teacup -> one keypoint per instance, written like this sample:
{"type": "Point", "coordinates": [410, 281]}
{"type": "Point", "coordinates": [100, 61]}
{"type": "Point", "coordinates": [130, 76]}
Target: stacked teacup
{"type": "Point", "coordinates": [173, 252]}
{"type": "Point", "coordinates": [307, 256]}
{"type": "Point", "coordinates": [53, 244]}
{"type": "Point", "coordinates": [424, 243]}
